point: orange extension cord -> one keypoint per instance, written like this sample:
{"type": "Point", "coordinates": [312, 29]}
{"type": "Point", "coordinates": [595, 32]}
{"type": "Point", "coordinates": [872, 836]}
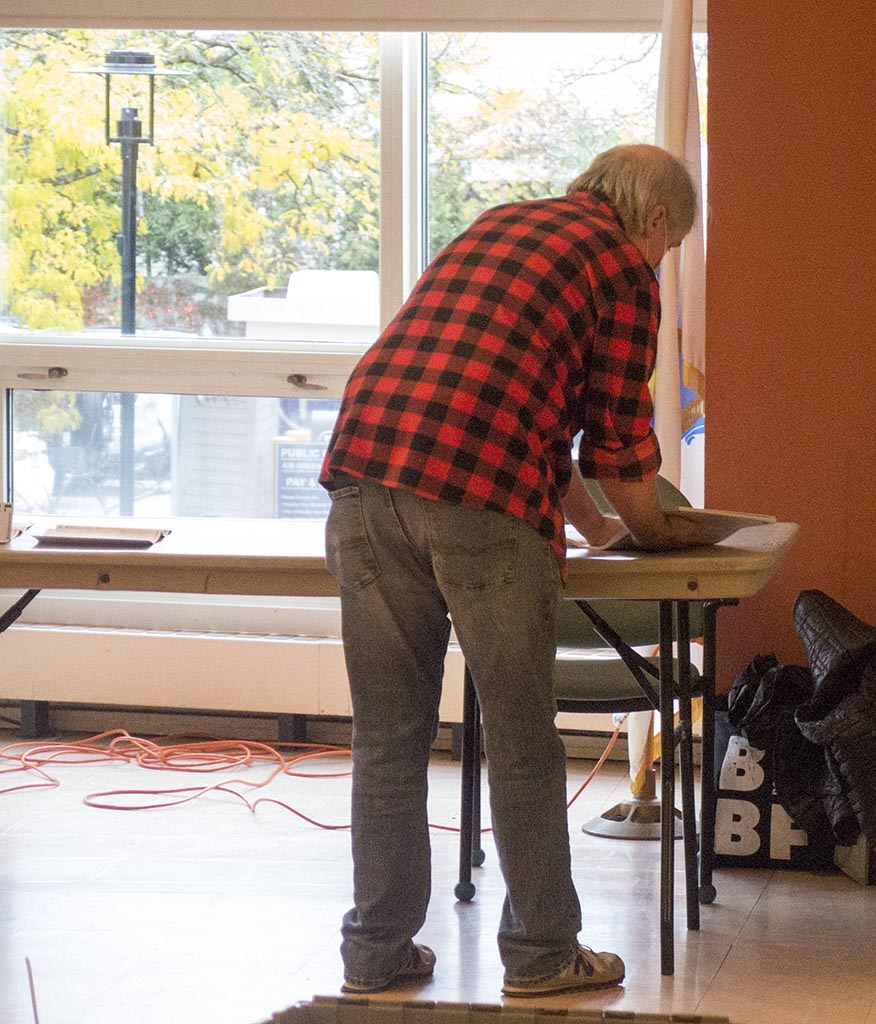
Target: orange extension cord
{"type": "Point", "coordinates": [199, 755]}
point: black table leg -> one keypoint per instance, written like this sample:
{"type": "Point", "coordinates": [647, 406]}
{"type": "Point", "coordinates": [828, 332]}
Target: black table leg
{"type": "Point", "coordinates": [688, 804]}
{"type": "Point", "coordinates": [12, 613]}
{"type": "Point", "coordinates": [707, 782]}
{"type": "Point", "coordinates": [291, 728]}
{"type": "Point", "coordinates": [477, 852]}
{"type": "Point", "coordinates": [465, 890]}
{"type": "Point", "coordinates": [667, 793]}
{"type": "Point", "coordinates": [34, 719]}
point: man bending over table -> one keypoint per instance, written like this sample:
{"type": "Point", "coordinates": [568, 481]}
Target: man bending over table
{"type": "Point", "coordinates": [450, 473]}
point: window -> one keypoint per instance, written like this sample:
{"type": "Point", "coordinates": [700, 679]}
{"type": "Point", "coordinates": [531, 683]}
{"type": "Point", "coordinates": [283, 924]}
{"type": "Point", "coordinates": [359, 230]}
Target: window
{"type": "Point", "coordinates": [294, 189]}
{"type": "Point", "coordinates": [516, 116]}
{"type": "Point", "coordinates": [264, 161]}
{"type": "Point", "coordinates": [93, 453]}
{"type": "Point", "coordinates": [256, 216]}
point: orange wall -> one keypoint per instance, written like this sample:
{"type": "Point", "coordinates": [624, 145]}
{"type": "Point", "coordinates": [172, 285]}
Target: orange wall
{"type": "Point", "coordinates": [791, 300]}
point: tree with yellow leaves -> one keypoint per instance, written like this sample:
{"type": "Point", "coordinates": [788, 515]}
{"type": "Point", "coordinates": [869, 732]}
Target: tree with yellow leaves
{"type": "Point", "coordinates": [266, 160]}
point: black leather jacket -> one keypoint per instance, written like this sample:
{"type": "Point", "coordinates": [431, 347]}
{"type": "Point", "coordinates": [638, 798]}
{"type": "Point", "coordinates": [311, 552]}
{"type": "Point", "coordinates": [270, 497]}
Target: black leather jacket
{"type": "Point", "coordinates": [840, 715]}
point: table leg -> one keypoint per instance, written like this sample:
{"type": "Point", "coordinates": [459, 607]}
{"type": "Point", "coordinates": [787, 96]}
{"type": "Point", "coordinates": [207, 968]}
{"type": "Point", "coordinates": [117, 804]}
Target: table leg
{"type": "Point", "coordinates": [465, 890]}
{"type": "Point", "coordinates": [707, 782]}
{"type": "Point", "coordinates": [456, 741]}
{"type": "Point", "coordinates": [477, 853]}
{"type": "Point", "coordinates": [291, 728]}
{"type": "Point", "coordinates": [667, 794]}
{"type": "Point", "coordinates": [13, 612]}
{"type": "Point", "coordinates": [688, 805]}
{"type": "Point", "coordinates": [34, 719]}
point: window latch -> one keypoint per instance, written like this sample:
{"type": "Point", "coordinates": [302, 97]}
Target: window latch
{"type": "Point", "coordinates": [53, 373]}
{"type": "Point", "coordinates": [299, 380]}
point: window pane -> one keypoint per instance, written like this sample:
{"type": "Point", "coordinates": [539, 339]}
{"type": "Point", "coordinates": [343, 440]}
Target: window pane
{"type": "Point", "coordinates": [264, 164]}
{"type": "Point", "coordinates": [519, 115]}
{"type": "Point", "coordinates": [105, 454]}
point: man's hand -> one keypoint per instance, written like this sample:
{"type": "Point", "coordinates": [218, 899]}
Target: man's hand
{"type": "Point", "coordinates": [685, 532]}
{"type": "Point", "coordinates": [603, 534]}
{"type": "Point", "coordinates": [580, 510]}
{"type": "Point", "coordinates": [651, 528]}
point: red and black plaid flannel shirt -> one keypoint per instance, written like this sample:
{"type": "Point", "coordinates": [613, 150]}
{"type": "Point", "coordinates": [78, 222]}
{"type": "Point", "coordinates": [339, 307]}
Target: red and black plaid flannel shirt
{"type": "Point", "coordinates": [536, 323]}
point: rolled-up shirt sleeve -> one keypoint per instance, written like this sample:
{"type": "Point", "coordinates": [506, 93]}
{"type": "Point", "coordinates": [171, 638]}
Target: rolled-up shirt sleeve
{"type": "Point", "coordinates": [618, 439]}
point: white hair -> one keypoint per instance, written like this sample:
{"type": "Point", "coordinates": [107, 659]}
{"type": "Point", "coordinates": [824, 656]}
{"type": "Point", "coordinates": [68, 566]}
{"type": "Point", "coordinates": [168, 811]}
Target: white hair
{"type": "Point", "coordinates": [636, 179]}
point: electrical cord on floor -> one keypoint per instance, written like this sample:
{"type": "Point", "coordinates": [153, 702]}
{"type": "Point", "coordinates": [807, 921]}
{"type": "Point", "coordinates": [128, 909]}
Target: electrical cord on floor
{"type": "Point", "coordinates": [595, 769]}
{"type": "Point", "coordinates": [196, 755]}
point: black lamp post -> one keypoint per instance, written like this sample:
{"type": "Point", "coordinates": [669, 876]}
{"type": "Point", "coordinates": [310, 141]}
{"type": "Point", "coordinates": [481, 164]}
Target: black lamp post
{"type": "Point", "coordinates": [129, 135]}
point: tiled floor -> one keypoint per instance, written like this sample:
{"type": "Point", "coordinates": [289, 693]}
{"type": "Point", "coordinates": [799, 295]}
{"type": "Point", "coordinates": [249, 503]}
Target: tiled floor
{"type": "Point", "coordinates": [208, 913]}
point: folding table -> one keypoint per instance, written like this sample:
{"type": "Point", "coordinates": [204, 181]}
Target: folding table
{"type": "Point", "coordinates": [287, 558]}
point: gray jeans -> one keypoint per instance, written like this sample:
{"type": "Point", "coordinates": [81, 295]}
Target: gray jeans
{"type": "Point", "coordinates": [406, 566]}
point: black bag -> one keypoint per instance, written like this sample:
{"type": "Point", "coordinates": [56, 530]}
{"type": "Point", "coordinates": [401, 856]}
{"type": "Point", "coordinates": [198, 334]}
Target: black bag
{"type": "Point", "coordinates": [840, 715]}
{"type": "Point", "coordinates": [769, 778]}
{"type": "Point", "coordinates": [752, 828]}
{"type": "Point", "coordinates": [795, 754]}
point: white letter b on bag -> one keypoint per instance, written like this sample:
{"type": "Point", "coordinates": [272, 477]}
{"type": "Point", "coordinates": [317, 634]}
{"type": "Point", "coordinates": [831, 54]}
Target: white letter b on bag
{"type": "Point", "coordinates": [741, 768]}
{"type": "Point", "coordinates": [736, 822]}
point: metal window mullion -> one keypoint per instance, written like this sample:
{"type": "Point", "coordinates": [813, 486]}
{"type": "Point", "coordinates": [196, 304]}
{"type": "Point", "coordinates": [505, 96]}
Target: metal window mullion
{"type": "Point", "coordinates": [5, 445]}
{"type": "Point", "coordinates": [401, 168]}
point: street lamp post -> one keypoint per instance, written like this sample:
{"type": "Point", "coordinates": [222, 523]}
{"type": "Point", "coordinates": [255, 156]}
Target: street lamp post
{"type": "Point", "coordinates": [129, 135]}
{"type": "Point", "coordinates": [129, 132]}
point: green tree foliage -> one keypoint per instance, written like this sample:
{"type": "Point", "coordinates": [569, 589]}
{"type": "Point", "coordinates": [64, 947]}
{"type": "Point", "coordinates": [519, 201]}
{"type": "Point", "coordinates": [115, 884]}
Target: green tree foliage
{"type": "Point", "coordinates": [179, 237]}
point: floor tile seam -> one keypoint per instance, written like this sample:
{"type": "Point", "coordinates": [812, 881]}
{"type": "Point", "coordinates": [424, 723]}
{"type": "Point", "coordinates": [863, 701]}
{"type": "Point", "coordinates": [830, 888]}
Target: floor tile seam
{"type": "Point", "coordinates": [701, 1002]}
{"type": "Point", "coordinates": [746, 917]}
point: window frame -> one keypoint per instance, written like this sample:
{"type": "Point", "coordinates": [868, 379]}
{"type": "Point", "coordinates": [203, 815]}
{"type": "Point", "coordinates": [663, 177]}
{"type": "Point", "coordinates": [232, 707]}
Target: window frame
{"type": "Point", "coordinates": [251, 367]}
{"type": "Point", "coordinates": [148, 363]}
